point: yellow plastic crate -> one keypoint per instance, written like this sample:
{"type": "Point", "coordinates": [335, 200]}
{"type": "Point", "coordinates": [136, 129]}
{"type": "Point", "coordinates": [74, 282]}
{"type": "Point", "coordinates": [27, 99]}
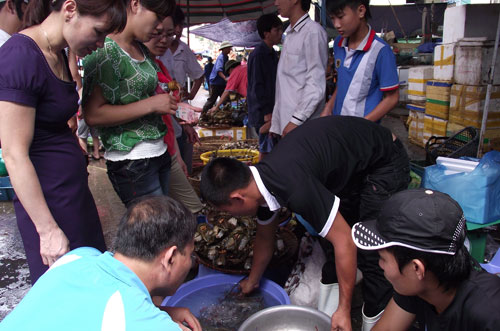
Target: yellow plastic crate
{"type": "Point", "coordinates": [249, 156]}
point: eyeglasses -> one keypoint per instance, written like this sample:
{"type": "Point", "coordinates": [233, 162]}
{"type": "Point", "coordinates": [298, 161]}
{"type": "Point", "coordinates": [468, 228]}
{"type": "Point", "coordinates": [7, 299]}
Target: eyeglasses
{"type": "Point", "coordinates": [167, 35]}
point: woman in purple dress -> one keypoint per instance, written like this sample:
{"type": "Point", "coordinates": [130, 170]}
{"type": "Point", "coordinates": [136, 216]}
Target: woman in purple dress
{"type": "Point", "coordinates": [54, 207]}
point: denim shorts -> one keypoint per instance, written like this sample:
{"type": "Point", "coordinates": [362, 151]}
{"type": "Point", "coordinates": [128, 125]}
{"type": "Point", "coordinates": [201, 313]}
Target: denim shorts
{"type": "Point", "coordinates": [132, 179]}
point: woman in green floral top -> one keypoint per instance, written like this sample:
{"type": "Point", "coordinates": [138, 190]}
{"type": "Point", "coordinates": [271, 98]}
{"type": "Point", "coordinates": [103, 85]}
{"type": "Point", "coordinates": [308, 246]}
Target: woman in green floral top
{"type": "Point", "coordinates": [119, 98]}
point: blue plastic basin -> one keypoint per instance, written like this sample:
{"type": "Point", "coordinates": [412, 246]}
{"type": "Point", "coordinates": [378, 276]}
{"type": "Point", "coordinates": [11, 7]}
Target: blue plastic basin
{"type": "Point", "coordinates": [200, 289]}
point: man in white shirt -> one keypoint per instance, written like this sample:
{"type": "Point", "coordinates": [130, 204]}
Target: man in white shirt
{"type": "Point", "coordinates": [300, 80]}
{"type": "Point", "coordinates": [11, 17]}
{"type": "Point", "coordinates": [180, 60]}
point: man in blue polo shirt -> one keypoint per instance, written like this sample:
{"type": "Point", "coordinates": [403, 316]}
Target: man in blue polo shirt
{"type": "Point", "coordinates": [218, 78]}
{"type": "Point", "coordinates": [368, 82]}
{"type": "Point", "coordinates": [88, 290]}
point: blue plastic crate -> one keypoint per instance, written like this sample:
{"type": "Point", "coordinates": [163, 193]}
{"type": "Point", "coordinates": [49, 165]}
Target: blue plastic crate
{"type": "Point", "coordinates": [5, 181]}
{"type": "Point", "coordinates": [6, 190]}
{"type": "Point", "coordinates": [6, 193]}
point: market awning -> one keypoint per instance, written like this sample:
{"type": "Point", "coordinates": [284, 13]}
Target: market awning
{"type": "Point", "coordinates": [213, 11]}
{"type": "Point", "coordinates": [240, 34]}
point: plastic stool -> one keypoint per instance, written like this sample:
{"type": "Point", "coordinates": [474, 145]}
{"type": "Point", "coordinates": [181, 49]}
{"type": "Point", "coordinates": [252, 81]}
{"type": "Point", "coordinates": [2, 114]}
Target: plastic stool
{"type": "Point", "coordinates": [494, 266]}
{"type": "Point", "coordinates": [478, 239]}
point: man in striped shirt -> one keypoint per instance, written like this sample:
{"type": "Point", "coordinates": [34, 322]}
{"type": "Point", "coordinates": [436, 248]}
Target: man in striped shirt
{"type": "Point", "coordinates": [368, 82]}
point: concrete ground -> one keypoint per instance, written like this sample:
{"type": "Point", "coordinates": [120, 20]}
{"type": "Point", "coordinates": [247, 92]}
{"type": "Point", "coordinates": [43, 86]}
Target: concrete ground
{"type": "Point", "coordinates": [14, 274]}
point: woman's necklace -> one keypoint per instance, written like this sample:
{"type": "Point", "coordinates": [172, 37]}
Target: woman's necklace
{"type": "Point", "coordinates": [59, 73]}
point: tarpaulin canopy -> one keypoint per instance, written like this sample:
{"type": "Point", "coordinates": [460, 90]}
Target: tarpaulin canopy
{"type": "Point", "coordinates": [212, 11]}
{"type": "Point", "coordinates": [240, 34]}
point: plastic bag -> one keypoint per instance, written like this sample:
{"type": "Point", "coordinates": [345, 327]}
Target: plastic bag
{"type": "Point", "coordinates": [302, 285]}
{"type": "Point", "coordinates": [477, 192]}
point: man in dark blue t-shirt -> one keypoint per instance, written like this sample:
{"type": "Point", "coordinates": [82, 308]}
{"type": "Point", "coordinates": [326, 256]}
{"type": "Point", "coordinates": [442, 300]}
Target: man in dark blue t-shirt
{"type": "Point", "coordinates": [262, 67]}
{"type": "Point", "coordinates": [207, 71]}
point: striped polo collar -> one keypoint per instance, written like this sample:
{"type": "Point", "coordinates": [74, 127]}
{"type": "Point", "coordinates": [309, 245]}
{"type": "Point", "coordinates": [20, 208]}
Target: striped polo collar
{"type": "Point", "coordinates": [365, 44]}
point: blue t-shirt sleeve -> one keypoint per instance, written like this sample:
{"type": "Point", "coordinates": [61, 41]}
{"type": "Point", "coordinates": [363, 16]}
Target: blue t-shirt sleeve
{"type": "Point", "coordinates": [141, 314]}
{"type": "Point", "coordinates": [386, 69]}
{"type": "Point", "coordinates": [219, 64]}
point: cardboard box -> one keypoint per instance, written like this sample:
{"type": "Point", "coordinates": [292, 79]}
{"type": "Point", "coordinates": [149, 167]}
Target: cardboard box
{"type": "Point", "coordinates": [467, 105]}
{"type": "Point", "coordinates": [416, 124]}
{"type": "Point", "coordinates": [438, 99]}
{"type": "Point", "coordinates": [434, 126]}
{"type": "Point", "coordinates": [453, 128]}
{"type": "Point", "coordinates": [238, 133]}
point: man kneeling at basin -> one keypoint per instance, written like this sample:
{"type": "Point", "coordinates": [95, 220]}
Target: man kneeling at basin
{"type": "Point", "coordinates": [88, 290]}
{"type": "Point", "coordinates": [419, 236]}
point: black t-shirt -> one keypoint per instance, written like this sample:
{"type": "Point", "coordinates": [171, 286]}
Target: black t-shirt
{"type": "Point", "coordinates": [476, 306]}
{"type": "Point", "coordinates": [315, 162]}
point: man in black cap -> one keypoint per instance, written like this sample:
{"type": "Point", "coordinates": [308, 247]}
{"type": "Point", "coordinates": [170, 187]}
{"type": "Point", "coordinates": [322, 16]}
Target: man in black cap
{"type": "Point", "coordinates": [419, 236]}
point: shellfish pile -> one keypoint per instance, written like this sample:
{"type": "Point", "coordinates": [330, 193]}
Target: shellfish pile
{"type": "Point", "coordinates": [241, 144]}
{"type": "Point", "coordinates": [220, 117]}
{"type": "Point", "coordinates": [227, 242]}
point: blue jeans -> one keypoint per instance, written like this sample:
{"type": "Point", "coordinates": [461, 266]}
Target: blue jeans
{"type": "Point", "coordinates": [132, 179]}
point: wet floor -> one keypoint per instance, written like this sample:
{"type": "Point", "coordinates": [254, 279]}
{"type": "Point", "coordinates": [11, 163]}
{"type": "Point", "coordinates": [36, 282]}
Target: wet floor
{"type": "Point", "coordinates": [14, 274]}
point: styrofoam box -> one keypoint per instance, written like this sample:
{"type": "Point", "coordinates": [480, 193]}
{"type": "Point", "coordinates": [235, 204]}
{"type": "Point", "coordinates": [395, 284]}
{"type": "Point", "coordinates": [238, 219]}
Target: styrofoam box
{"type": "Point", "coordinates": [403, 83]}
{"type": "Point", "coordinates": [444, 61]}
{"type": "Point", "coordinates": [478, 20]}
{"type": "Point", "coordinates": [473, 59]}
{"type": "Point", "coordinates": [417, 80]}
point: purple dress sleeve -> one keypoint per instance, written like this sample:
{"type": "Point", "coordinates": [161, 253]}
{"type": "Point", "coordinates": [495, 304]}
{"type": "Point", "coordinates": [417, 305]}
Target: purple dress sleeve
{"type": "Point", "coordinates": [19, 77]}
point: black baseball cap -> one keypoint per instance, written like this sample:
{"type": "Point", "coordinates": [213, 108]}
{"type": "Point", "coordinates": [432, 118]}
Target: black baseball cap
{"type": "Point", "coordinates": [420, 219]}
{"type": "Point", "coordinates": [230, 65]}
